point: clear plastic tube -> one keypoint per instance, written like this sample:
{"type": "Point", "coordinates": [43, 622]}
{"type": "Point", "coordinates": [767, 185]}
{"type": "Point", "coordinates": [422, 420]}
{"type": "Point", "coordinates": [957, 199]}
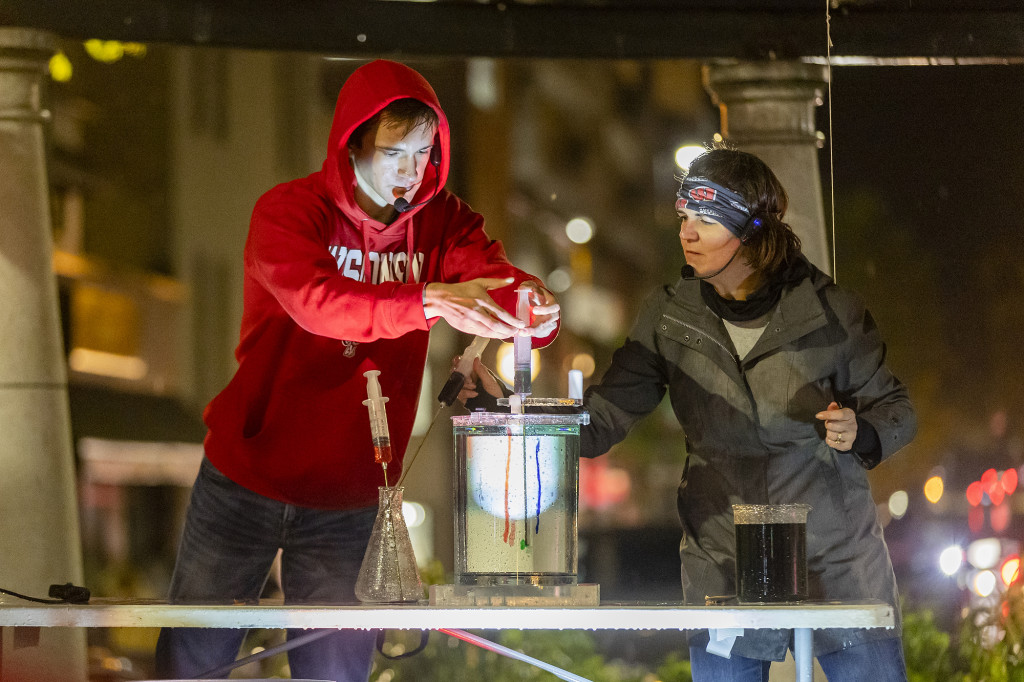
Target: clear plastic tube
{"type": "Point", "coordinates": [522, 349]}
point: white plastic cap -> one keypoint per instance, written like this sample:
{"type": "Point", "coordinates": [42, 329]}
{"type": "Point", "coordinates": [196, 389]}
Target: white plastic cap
{"type": "Point", "coordinates": [576, 384]}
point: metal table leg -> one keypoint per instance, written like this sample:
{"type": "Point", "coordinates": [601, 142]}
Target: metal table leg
{"type": "Point", "coordinates": [803, 654]}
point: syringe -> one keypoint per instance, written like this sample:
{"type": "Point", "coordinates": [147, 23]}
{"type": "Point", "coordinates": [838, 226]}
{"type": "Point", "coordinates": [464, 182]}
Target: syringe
{"type": "Point", "coordinates": [462, 370]}
{"type": "Point", "coordinates": [378, 421]}
{"type": "Point", "coordinates": [522, 348]}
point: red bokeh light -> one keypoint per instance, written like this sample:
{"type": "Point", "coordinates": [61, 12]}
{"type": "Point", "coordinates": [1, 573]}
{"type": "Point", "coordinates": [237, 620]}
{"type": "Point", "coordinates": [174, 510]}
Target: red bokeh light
{"type": "Point", "coordinates": [989, 479]}
{"type": "Point", "coordinates": [999, 517]}
{"type": "Point", "coordinates": [1009, 481]}
{"type": "Point", "coordinates": [602, 486]}
{"type": "Point", "coordinates": [975, 519]}
{"type": "Point", "coordinates": [974, 493]}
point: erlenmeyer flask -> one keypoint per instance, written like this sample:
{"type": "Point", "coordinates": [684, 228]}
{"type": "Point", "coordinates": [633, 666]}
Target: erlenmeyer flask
{"type": "Point", "coordinates": [389, 572]}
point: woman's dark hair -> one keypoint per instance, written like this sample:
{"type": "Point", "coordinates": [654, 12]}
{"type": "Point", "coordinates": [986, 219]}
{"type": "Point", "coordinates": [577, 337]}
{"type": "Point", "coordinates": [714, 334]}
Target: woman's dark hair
{"type": "Point", "coordinates": [774, 245]}
{"type": "Point", "coordinates": [408, 112]}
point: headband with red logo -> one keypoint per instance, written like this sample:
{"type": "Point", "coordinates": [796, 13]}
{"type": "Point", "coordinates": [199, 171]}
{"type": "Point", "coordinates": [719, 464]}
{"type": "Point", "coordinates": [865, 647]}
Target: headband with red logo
{"type": "Point", "coordinates": [717, 202]}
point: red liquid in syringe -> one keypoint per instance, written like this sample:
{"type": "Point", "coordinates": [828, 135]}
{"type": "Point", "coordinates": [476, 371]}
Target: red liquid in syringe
{"type": "Point", "coordinates": [382, 450]}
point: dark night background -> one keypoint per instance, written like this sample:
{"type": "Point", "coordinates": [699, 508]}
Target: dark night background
{"type": "Point", "coordinates": [929, 168]}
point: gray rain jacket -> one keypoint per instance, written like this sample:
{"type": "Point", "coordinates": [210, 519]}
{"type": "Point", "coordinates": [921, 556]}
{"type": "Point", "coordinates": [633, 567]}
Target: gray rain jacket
{"type": "Point", "coordinates": [752, 438]}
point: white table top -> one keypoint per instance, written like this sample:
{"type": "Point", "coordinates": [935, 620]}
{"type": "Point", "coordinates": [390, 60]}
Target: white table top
{"type": "Point", "coordinates": [109, 613]}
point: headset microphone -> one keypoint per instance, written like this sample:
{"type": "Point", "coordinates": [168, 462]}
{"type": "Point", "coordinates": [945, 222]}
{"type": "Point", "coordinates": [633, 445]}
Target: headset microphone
{"type": "Point", "coordinates": [402, 205]}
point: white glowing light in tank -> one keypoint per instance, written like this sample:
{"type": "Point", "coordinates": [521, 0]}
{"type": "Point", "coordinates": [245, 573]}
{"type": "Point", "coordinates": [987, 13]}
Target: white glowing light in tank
{"type": "Point", "coordinates": [507, 478]}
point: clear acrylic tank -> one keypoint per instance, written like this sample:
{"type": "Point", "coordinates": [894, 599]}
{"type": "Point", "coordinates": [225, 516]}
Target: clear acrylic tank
{"type": "Point", "coordinates": [516, 498]}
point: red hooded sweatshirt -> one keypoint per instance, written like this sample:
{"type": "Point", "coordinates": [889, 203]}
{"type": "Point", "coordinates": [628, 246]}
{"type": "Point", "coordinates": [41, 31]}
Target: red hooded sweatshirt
{"type": "Point", "coordinates": [330, 293]}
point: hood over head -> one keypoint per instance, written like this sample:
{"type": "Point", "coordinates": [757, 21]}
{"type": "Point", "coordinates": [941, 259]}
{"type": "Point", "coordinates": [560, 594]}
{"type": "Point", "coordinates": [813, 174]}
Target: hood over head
{"type": "Point", "coordinates": [369, 89]}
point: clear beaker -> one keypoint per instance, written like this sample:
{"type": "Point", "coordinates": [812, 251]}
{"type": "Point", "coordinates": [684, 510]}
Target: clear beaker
{"type": "Point", "coordinates": [389, 572]}
{"type": "Point", "coordinates": [771, 552]}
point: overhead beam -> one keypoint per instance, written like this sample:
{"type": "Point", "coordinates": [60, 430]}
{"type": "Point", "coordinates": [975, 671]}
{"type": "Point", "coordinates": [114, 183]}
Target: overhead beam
{"type": "Point", "coordinates": [451, 29]}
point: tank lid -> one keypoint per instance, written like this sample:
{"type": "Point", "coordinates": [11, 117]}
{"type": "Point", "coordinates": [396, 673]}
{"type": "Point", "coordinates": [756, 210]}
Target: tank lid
{"type": "Point", "coordinates": [530, 418]}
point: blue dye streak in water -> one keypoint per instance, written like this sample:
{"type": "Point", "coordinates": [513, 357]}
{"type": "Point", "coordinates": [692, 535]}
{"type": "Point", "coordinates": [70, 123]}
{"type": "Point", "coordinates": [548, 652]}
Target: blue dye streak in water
{"type": "Point", "coordinates": [536, 458]}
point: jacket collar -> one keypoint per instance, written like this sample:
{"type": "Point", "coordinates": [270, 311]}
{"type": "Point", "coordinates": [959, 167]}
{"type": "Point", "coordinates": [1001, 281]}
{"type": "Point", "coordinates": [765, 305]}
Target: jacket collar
{"type": "Point", "coordinates": [799, 312]}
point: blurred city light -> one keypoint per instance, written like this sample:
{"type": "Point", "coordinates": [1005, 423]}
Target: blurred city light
{"type": "Point", "coordinates": [999, 517]}
{"type": "Point", "coordinates": [933, 489]}
{"type": "Point", "coordinates": [579, 230]}
{"type": "Point", "coordinates": [413, 513]}
{"type": "Point", "coordinates": [988, 479]}
{"type": "Point", "coordinates": [585, 363]}
{"type": "Point", "coordinates": [984, 583]}
{"type": "Point", "coordinates": [558, 280]}
{"type": "Point", "coordinates": [951, 559]}
{"type": "Point", "coordinates": [975, 519]}
{"type": "Point", "coordinates": [482, 86]}
{"type": "Point", "coordinates": [1009, 481]}
{"type": "Point", "coordinates": [1010, 570]}
{"type": "Point", "coordinates": [110, 51]}
{"type": "Point", "coordinates": [505, 361]}
{"type": "Point", "coordinates": [687, 153]}
{"type": "Point", "coordinates": [974, 493]}
{"type": "Point", "coordinates": [898, 503]}
{"type": "Point", "coordinates": [984, 553]}
{"type": "Point", "coordinates": [91, 361]}
{"type": "Point", "coordinates": [60, 67]}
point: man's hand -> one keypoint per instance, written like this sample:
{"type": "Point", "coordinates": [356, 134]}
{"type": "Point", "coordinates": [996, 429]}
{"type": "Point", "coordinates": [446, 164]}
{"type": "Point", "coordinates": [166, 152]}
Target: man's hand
{"type": "Point", "coordinates": [840, 426]}
{"type": "Point", "coordinates": [544, 311]}
{"type": "Point", "coordinates": [468, 307]}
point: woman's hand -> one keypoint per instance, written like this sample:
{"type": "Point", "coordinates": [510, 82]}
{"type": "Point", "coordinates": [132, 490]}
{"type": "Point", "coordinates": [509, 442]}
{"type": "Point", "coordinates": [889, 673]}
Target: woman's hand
{"type": "Point", "coordinates": [478, 379]}
{"type": "Point", "coordinates": [840, 426]}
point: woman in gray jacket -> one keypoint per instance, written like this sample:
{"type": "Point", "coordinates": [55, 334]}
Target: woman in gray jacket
{"type": "Point", "coordinates": [778, 379]}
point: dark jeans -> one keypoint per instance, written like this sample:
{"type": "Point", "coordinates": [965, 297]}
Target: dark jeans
{"type": "Point", "coordinates": [877, 661]}
{"type": "Point", "coordinates": [228, 545]}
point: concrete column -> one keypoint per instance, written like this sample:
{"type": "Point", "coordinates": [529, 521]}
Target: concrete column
{"type": "Point", "coordinates": [767, 109]}
{"type": "Point", "coordinates": [39, 536]}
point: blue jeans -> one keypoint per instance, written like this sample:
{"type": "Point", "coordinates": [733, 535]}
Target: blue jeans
{"type": "Point", "coordinates": [878, 661]}
{"type": "Point", "coordinates": [229, 542]}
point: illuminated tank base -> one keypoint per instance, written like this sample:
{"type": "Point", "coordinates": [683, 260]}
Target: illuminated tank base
{"type": "Point", "coordinates": [576, 594]}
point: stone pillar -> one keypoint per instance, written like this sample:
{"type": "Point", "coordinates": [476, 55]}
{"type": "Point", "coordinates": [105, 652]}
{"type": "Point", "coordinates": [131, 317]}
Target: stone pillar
{"type": "Point", "coordinates": [39, 537]}
{"type": "Point", "coordinates": [767, 109]}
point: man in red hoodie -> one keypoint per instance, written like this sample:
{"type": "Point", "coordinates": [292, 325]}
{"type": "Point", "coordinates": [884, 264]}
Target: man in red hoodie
{"type": "Point", "coordinates": [346, 270]}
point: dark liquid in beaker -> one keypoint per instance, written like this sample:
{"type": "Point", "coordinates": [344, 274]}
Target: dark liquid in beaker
{"type": "Point", "coordinates": [771, 562]}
